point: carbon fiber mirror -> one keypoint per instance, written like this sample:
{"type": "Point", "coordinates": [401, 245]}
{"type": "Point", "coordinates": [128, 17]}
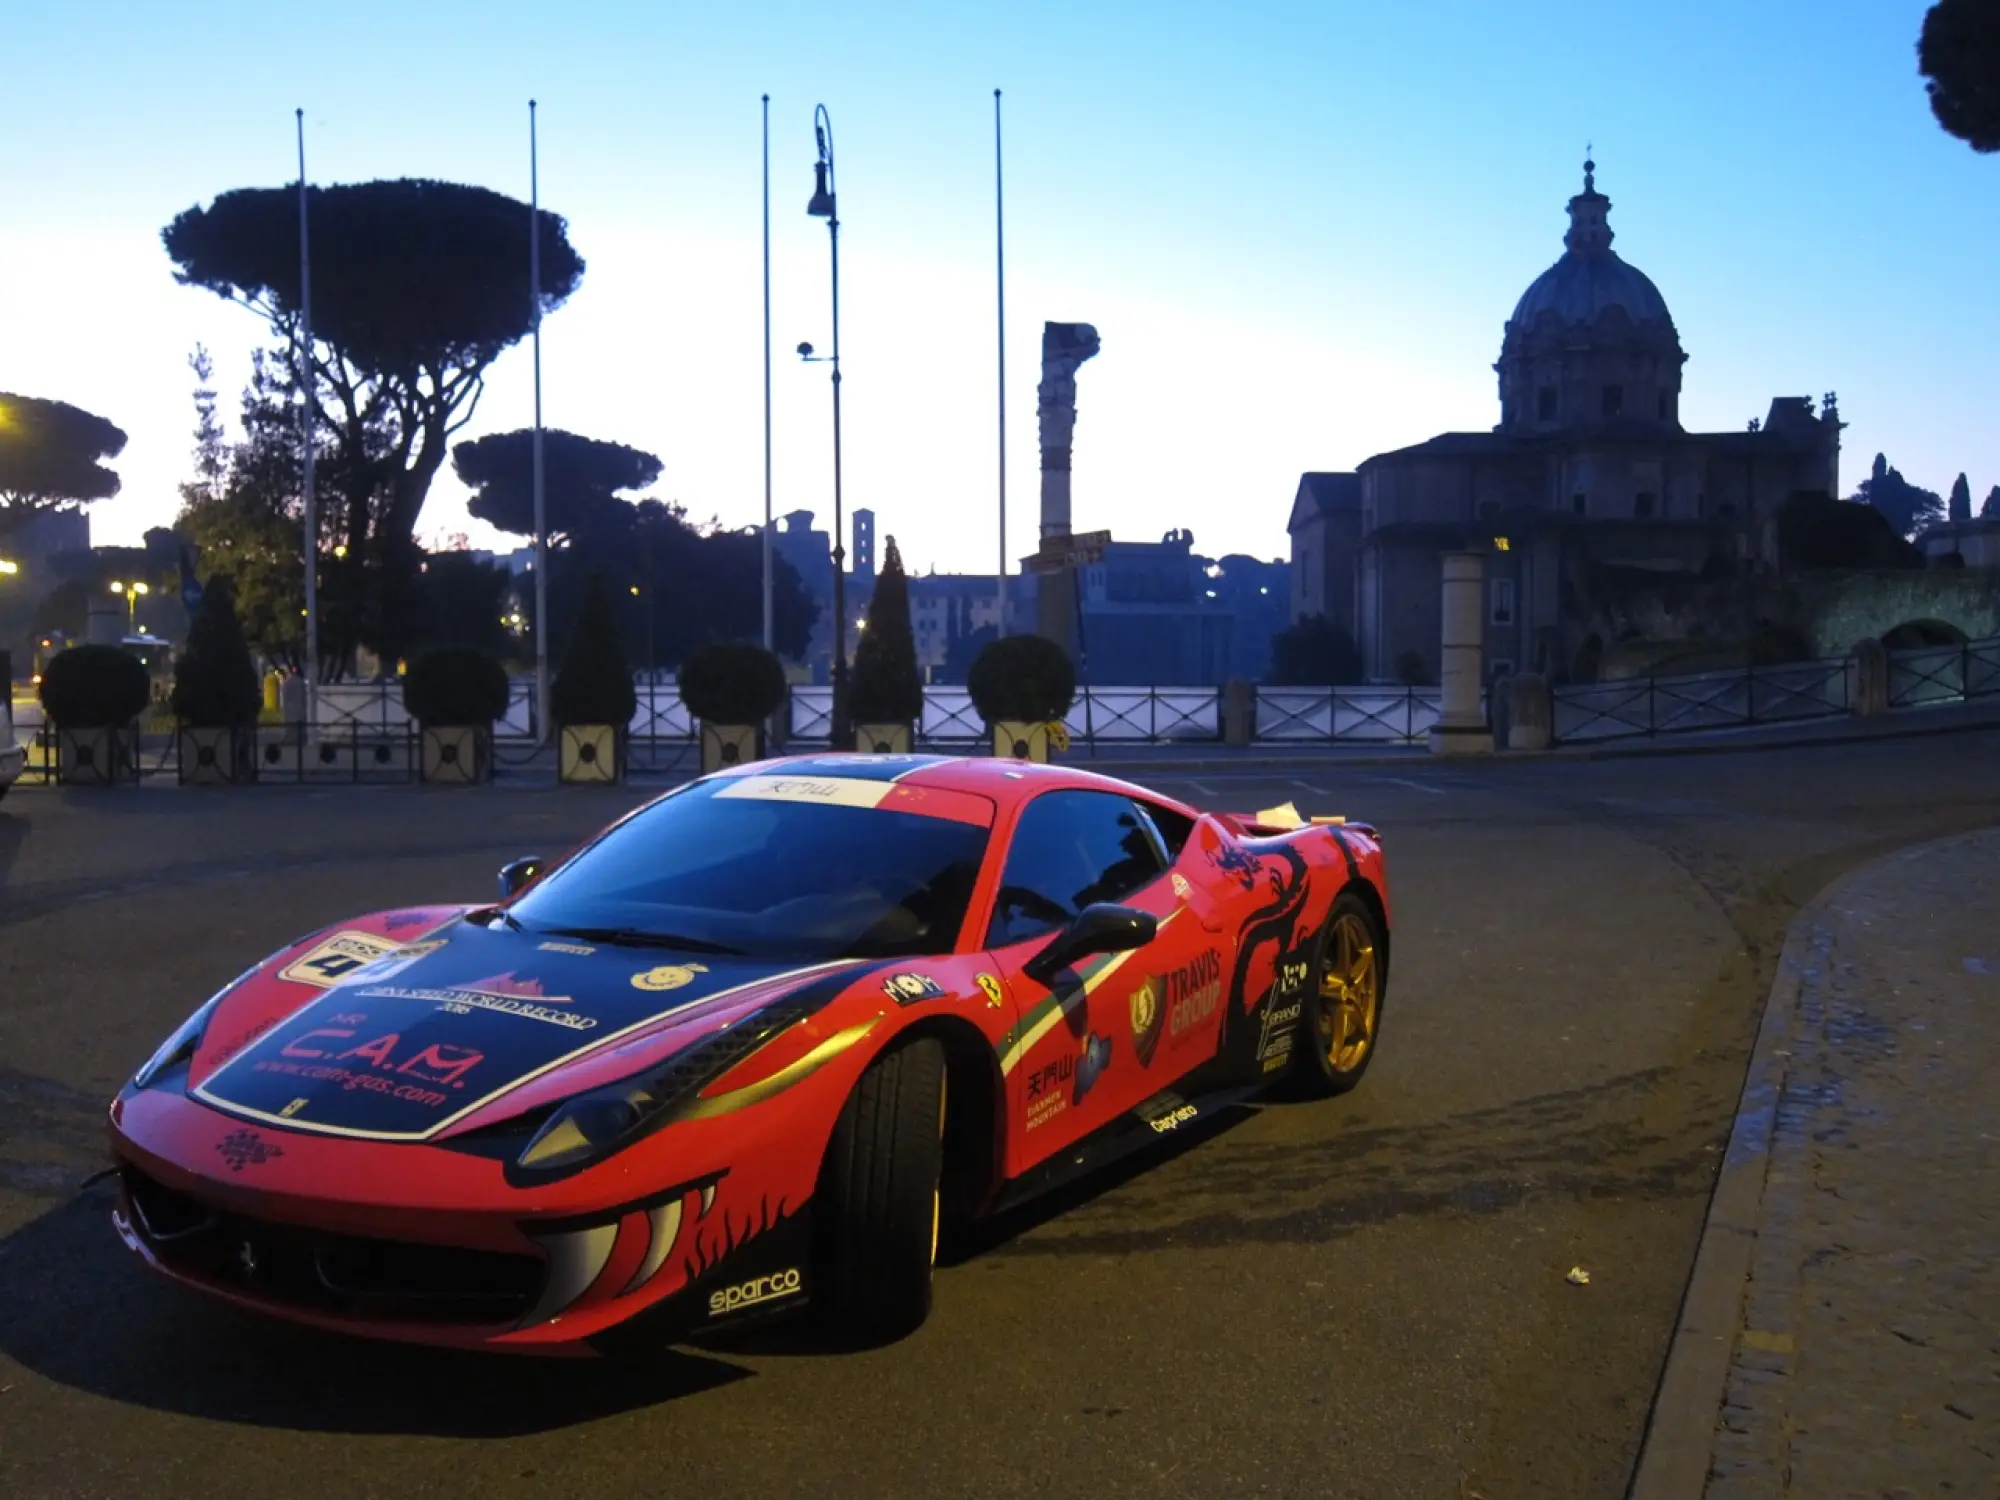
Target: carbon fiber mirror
{"type": "Point", "coordinates": [1099, 928]}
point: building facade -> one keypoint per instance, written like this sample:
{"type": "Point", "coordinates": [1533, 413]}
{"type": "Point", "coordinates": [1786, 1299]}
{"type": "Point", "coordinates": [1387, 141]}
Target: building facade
{"type": "Point", "coordinates": [1587, 483]}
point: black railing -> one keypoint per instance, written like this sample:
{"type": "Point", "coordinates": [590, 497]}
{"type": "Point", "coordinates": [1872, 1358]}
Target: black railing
{"type": "Point", "coordinates": [1732, 699]}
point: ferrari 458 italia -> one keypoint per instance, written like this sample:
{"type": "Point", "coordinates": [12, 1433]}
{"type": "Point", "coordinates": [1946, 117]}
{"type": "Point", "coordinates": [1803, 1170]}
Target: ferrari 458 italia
{"type": "Point", "coordinates": [752, 1047]}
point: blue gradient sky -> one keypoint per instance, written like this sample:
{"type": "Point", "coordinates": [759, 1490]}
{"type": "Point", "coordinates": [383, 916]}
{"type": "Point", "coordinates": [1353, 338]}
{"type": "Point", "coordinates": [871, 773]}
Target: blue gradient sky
{"type": "Point", "coordinates": [1298, 228]}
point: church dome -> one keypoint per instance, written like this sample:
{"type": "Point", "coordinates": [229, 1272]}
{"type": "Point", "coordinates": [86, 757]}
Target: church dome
{"type": "Point", "coordinates": [1579, 289]}
{"type": "Point", "coordinates": [1591, 341]}
{"type": "Point", "coordinates": [1591, 278]}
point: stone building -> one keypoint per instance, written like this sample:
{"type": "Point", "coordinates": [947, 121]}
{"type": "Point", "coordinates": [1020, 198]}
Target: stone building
{"type": "Point", "coordinates": [1588, 483]}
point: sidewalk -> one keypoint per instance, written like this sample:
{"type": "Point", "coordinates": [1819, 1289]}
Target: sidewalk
{"type": "Point", "coordinates": [1841, 1333]}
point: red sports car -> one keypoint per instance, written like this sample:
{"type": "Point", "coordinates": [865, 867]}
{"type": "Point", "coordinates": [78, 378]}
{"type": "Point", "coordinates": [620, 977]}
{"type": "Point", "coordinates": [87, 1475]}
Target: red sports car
{"type": "Point", "coordinates": [748, 1048]}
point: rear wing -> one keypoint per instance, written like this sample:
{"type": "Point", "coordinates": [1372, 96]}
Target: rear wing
{"type": "Point", "coordinates": [1286, 818]}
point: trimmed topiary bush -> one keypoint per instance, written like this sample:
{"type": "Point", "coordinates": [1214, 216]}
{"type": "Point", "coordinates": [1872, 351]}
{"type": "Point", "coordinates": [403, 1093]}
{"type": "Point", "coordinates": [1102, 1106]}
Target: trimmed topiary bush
{"type": "Point", "coordinates": [215, 681]}
{"type": "Point", "coordinates": [732, 682]}
{"type": "Point", "coordinates": [887, 686]}
{"type": "Point", "coordinates": [455, 687]}
{"type": "Point", "coordinates": [1021, 679]}
{"type": "Point", "coordinates": [594, 685]}
{"type": "Point", "coordinates": [95, 687]}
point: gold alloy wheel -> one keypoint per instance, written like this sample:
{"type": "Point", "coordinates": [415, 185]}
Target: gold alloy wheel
{"type": "Point", "coordinates": [937, 1190]}
{"type": "Point", "coordinates": [1350, 992]}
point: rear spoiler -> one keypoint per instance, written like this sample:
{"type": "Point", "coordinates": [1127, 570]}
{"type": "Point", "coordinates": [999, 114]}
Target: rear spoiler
{"type": "Point", "coordinates": [1286, 819]}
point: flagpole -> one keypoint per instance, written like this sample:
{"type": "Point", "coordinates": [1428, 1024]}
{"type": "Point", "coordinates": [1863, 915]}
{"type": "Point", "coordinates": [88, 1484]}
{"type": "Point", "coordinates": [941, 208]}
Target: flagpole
{"type": "Point", "coordinates": [541, 513]}
{"type": "Point", "coordinates": [770, 628]}
{"type": "Point", "coordinates": [307, 410]}
{"type": "Point", "coordinates": [1000, 290]}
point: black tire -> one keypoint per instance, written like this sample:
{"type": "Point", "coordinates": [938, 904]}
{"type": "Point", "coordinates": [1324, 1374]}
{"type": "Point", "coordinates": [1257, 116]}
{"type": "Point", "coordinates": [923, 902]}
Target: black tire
{"type": "Point", "coordinates": [1320, 1067]}
{"type": "Point", "coordinates": [876, 1214]}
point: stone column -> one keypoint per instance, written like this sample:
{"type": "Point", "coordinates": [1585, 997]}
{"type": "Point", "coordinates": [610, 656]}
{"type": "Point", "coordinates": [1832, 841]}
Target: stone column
{"type": "Point", "coordinates": [1868, 678]}
{"type": "Point", "coordinates": [1461, 729]}
{"type": "Point", "coordinates": [1065, 346]}
{"type": "Point", "coordinates": [1239, 712]}
{"type": "Point", "coordinates": [1531, 712]}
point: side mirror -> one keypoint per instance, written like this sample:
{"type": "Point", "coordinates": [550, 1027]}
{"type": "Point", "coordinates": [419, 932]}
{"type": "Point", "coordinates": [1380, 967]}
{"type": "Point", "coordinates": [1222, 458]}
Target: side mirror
{"type": "Point", "coordinates": [519, 874]}
{"type": "Point", "coordinates": [1099, 928]}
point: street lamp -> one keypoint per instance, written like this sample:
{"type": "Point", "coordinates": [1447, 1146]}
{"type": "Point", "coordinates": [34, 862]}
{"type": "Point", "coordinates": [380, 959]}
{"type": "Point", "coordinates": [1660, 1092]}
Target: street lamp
{"type": "Point", "coordinates": [824, 206]}
{"type": "Point", "coordinates": [131, 591]}
{"type": "Point", "coordinates": [9, 568]}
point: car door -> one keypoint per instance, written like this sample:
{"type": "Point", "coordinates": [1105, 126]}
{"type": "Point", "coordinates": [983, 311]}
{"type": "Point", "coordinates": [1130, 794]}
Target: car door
{"type": "Point", "coordinates": [1091, 1047]}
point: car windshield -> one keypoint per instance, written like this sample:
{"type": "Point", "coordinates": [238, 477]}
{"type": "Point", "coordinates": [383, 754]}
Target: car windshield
{"type": "Point", "coordinates": [762, 865]}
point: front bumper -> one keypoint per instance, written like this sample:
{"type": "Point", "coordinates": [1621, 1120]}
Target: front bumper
{"type": "Point", "coordinates": [431, 1245]}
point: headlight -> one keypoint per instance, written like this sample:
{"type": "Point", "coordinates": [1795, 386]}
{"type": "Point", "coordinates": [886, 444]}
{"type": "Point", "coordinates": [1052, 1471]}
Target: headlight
{"type": "Point", "coordinates": [179, 1047]}
{"type": "Point", "coordinates": [594, 1125]}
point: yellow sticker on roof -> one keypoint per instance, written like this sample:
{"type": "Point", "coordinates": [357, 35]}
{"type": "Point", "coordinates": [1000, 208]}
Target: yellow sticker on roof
{"type": "Point", "coordinates": [828, 791]}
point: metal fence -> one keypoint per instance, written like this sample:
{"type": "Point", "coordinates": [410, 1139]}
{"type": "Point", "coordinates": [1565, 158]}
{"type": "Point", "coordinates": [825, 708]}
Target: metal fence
{"type": "Point", "coordinates": [362, 734]}
{"type": "Point", "coordinates": [1386, 715]}
{"type": "Point", "coordinates": [1701, 700]}
{"type": "Point", "coordinates": [1747, 696]}
{"type": "Point", "coordinates": [1944, 674]}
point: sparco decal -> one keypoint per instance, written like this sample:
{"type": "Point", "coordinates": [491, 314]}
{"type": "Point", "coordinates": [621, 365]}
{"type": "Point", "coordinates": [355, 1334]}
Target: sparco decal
{"type": "Point", "coordinates": [1193, 993]}
{"type": "Point", "coordinates": [750, 1293]}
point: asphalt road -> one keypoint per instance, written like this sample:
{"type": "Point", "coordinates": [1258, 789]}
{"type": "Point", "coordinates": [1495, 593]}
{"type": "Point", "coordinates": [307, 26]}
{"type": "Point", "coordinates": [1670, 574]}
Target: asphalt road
{"type": "Point", "coordinates": [1364, 1297]}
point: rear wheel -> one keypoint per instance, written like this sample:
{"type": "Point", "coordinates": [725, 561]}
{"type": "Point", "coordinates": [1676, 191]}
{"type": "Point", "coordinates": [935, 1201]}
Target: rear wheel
{"type": "Point", "coordinates": [878, 1206]}
{"type": "Point", "coordinates": [1344, 1004]}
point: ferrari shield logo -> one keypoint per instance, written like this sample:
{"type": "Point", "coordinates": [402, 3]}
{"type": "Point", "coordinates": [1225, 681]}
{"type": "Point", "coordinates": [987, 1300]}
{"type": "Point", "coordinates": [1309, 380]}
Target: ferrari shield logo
{"type": "Point", "coordinates": [668, 977]}
{"type": "Point", "coordinates": [1146, 1016]}
{"type": "Point", "coordinates": [989, 986]}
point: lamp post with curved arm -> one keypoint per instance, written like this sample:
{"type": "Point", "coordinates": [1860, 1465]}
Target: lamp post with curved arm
{"type": "Point", "coordinates": [824, 206]}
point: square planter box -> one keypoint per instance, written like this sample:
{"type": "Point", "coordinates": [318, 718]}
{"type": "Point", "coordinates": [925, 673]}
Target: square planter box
{"type": "Point", "coordinates": [458, 755]}
{"type": "Point", "coordinates": [1021, 741]}
{"type": "Point", "coordinates": [882, 739]}
{"type": "Point", "coordinates": [217, 757]}
{"type": "Point", "coordinates": [725, 745]}
{"type": "Point", "coordinates": [591, 754]}
{"type": "Point", "coordinates": [96, 757]}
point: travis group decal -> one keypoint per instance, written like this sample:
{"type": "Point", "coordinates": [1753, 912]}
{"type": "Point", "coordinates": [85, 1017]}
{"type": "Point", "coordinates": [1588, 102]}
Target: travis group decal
{"type": "Point", "coordinates": [1194, 994]}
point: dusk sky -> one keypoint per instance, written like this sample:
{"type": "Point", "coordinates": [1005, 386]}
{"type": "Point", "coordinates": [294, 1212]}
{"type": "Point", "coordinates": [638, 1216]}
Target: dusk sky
{"type": "Point", "coordinates": [1297, 228]}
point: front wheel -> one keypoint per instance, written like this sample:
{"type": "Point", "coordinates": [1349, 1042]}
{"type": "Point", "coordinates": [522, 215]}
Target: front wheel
{"type": "Point", "coordinates": [1344, 1003]}
{"type": "Point", "coordinates": [877, 1208]}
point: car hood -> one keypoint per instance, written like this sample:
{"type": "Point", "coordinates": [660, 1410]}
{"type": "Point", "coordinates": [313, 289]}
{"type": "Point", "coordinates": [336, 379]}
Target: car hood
{"type": "Point", "coordinates": [425, 1036]}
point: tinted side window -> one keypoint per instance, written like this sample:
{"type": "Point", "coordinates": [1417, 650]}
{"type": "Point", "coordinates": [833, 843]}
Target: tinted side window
{"type": "Point", "coordinates": [1173, 828]}
{"type": "Point", "coordinates": [1070, 849]}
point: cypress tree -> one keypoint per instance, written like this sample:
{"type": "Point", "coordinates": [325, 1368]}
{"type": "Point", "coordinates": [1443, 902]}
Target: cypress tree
{"type": "Point", "coordinates": [215, 680]}
{"type": "Point", "coordinates": [1960, 507]}
{"type": "Point", "coordinates": [887, 688]}
{"type": "Point", "coordinates": [595, 683]}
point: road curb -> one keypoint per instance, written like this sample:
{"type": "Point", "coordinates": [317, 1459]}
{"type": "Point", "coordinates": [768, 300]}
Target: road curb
{"type": "Point", "coordinates": [1679, 1443]}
